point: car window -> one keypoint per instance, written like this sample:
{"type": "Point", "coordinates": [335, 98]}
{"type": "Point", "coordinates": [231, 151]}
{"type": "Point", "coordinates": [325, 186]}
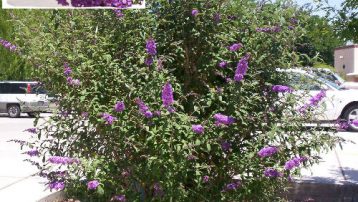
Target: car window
{"type": "Point", "coordinates": [301, 82]}
{"type": "Point", "coordinates": [12, 88]}
{"type": "Point", "coordinates": [38, 89]}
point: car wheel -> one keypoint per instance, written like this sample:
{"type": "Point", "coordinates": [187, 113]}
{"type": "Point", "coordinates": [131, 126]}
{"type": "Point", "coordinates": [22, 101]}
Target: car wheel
{"type": "Point", "coordinates": [351, 114]}
{"type": "Point", "coordinates": [33, 114]}
{"type": "Point", "coordinates": [13, 111]}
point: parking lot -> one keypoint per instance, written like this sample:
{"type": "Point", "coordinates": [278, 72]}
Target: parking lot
{"type": "Point", "coordinates": [339, 166]}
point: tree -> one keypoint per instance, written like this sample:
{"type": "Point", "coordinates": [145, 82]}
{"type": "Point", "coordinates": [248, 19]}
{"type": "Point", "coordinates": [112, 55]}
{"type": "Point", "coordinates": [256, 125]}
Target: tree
{"type": "Point", "coordinates": [12, 66]}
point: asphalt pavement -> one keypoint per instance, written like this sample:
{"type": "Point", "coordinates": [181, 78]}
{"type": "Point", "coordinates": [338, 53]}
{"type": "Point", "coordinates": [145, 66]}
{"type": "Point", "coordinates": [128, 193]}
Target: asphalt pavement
{"type": "Point", "coordinates": [19, 182]}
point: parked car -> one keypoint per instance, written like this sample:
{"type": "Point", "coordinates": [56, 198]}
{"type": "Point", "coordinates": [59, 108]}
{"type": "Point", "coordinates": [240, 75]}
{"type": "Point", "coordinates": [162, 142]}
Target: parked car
{"type": "Point", "coordinates": [18, 97]}
{"type": "Point", "coordinates": [331, 76]}
{"type": "Point", "coordinates": [340, 103]}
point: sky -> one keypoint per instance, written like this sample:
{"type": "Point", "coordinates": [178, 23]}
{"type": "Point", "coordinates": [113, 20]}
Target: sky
{"type": "Point", "coordinates": [333, 3]}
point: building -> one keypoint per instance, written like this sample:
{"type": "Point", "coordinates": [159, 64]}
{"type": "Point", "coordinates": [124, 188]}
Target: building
{"type": "Point", "coordinates": [346, 61]}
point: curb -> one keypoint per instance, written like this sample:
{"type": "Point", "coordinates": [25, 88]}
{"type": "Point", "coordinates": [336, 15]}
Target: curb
{"type": "Point", "coordinates": [322, 192]}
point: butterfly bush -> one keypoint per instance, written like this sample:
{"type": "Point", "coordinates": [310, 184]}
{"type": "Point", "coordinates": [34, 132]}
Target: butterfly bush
{"type": "Point", "coordinates": [150, 107]}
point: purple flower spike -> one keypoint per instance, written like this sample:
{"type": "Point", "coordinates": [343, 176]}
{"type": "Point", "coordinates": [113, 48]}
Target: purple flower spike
{"type": "Point", "coordinates": [223, 64]}
{"type": "Point", "coordinates": [109, 119]}
{"type": "Point", "coordinates": [194, 12]}
{"type": "Point", "coordinates": [118, 13]}
{"type": "Point", "coordinates": [121, 198]}
{"type": "Point", "coordinates": [198, 129]}
{"type": "Point", "coordinates": [206, 179]}
{"type": "Point", "coordinates": [67, 69]}
{"type": "Point", "coordinates": [158, 190]}
{"type": "Point", "coordinates": [235, 47]}
{"type": "Point", "coordinates": [144, 109]}
{"type": "Point", "coordinates": [221, 119]}
{"type": "Point", "coordinates": [231, 186]}
{"type": "Point", "coordinates": [225, 146]}
{"type": "Point", "coordinates": [294, 162]}
{"type": "Point", "coordinates": [272, 173]}
{"type": "Point", "coordinates": [148, 114]}
{"type": "Point", "coordinates": [7, 45]}
{"type": "Point", "coordinates": [31, 130]}
{"type": "Point", "coordinates": [241, 68]}
{"type": "Point", "coordinates": [119, 106]}
{"type": "Point", "coordinates": [149, 61]}
{"type": "Point", "coordinates": [281, 88]}
{"type": "Point", "coordinates": [91, 185]}
{"type": "Point", "coordinates": [355, 122]}
{"type": "Point", "coordinates": [267, 152]}
{"type": "Point", "coordinates": [32, 153]}
{"type": "Point", "coordinates": [63, 160]}
{"type": "Point", "coordinates": [151, 47]}
{"type": "Point", "coordinates": [167, 95]}
{"type": "Point", "coordinates": [56, 185]}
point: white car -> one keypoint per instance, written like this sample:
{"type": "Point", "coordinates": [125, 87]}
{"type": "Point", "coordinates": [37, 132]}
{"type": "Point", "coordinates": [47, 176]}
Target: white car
{"type": "Point", "coordinates": [340, 103]}
{"type": "Point", "coordinates": [18, 97]}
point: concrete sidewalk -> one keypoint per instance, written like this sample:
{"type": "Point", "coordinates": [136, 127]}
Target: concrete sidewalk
{"type": "Point", "coordinates": [334, 179]}
{"type": "Point", "coordinates": [18, 180]}
{"type": "Point", "coordinates": [339, 166]}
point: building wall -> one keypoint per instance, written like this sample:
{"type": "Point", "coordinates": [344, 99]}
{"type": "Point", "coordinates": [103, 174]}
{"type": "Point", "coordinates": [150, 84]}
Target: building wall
{"type": "Point", "coordinates": [346, 61]}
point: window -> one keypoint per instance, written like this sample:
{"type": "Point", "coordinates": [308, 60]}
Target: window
{"type": "Point", "coordinates": [12, 88]}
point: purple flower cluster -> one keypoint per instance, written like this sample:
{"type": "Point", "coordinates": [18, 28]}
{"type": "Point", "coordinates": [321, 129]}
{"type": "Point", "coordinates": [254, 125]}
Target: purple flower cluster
{"type": "Point", "coordinates": [120, 3]}
{"type": "Point", "coordinates": [73, 82]}
{"type": "Point", "coordinates": [294, 162]}
{"type": "Point", "coordinates": [232, 186]}
{"type": "Point", "coordinates": [119, 106]}
{"type": "Point", "coordinates": [67, 69]}
{"type": "Point", "coordinates": [272, 173]}
{"type": "Point", "coordinates": [343, 125]}
{"type": "Point", "coordinates": [31, 130]}
{"type": "Point", "coordinates": [273, 29]}
{"type": "Point", "coordinates": [198, 129]}
{"type": "Point", "coordinates": [217, 17]}
{"type": "Point", "coordinates": [242, 67]}
{"type": "Point", "coordinates": [92, 185]}
{"type": "Point", "coordinates": [151, 47]}
{"type": "Point", "coordinates": [109, 119]}
{"type": "Point", "coordinates": [121, 198]}
{"type": "Point", "coordinates": [8, 45]}
{"type": "Point", "coordinates": [313, 101]}
{"type": "Point", "coordinates": [167, 95]}
{"type": "Point", "coordinates": [235, 47]}
{"type": "Point", "coordinates": [56, 185]}
{"type": "Point", "coordinates": [149, 61]}
{"type": "Point", "coordinates": [281, 88]}
{"type": "Point", "coordinates": [267, 151]}
{"type": "Point", "coordinates": [63, 160]}
{"type": "Point", "coordinates": [118, 13]}
{"type": "Point", "coordinates": [144, 109]}
{"type": "Point", "coordinates": [225, 145]}
{"type": "Point", "coordinates": [223, 64]}
{"type": "Point", "coordinates": [194, 12]}
{"type": "Point", "coordinates": [221, 119]}
{"type": "Point", "coordinates": [32, 153]}
{"type": "Point", "coordinates": [158, 190]}
{"type": "Point", "coordinates": [97, 3]}
{"type": "Point", "coordinates": [206, 179]}
{"type": "Point", "coordinates": [355, 122]}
